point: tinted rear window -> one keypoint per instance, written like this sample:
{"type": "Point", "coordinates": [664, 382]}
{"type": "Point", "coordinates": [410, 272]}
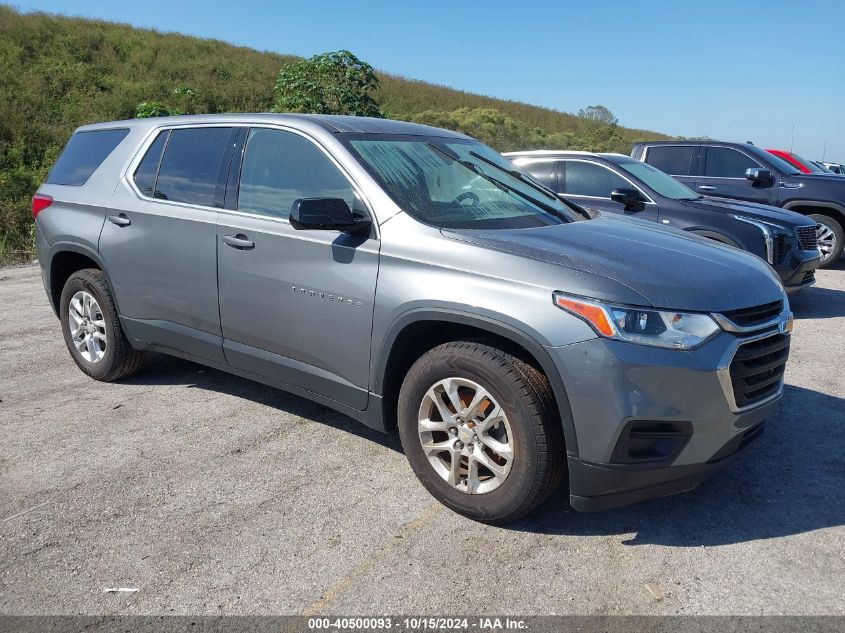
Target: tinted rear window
{"type": "Point", "coordinates": [675, 160]}
{"type": "Point", "coordinates": [85, 151]}
{"type": "Point", "coordinates": [190, 167]}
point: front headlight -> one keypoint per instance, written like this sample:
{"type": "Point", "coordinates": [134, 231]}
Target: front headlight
{"type": "Point", "coordinates": [770, 230]}
{"type": "Point", "coordinates": [658, 328]}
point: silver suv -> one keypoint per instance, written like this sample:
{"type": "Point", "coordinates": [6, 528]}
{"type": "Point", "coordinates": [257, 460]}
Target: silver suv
{"type": "Point", "coordinates": [412, 278]}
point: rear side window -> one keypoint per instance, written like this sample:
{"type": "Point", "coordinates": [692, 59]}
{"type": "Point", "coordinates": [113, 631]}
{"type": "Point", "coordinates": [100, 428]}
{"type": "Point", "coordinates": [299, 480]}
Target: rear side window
{"type": "Point", "coordinates": [589, 179]}
{"type": "Point", "coordinates": [723, 162]}
{"type": "Point", "coordinates": [190, 167]}
{"type": "Point", "coordinates": [84, 152]}
{"type": "Point", "coordinates": [145, 175]}
{"type": "Point", "coordinates": [675, 160]}
{"type": "Point", "coordinates": [280, 167]}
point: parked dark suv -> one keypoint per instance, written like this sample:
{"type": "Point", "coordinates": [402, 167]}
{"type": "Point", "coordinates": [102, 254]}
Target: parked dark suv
{"type": "Point", "coordinates": [619, 184]}
{"type": "Point", "coordinates": [747, 172]}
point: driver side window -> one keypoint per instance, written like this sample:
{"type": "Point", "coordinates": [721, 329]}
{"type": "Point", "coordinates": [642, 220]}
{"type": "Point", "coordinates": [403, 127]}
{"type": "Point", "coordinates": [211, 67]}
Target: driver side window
{"type": "Point", "coordinates": [589, 179]}
{"type": "Point", "coordinates": [280, 167]}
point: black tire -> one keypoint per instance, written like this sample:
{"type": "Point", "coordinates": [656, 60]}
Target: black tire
{"type": "Point", "coordinates": [526, 397]}
{"type": "Point", "coordinates": [119, 359]}
{"type": "Point", "coordinates": [838, 236]}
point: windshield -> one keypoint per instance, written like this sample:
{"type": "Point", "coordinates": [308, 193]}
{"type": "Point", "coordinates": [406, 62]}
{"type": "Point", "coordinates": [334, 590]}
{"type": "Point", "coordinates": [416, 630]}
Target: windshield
{"type": "Point", "coordinates": [658, 180]}
{"type": "Point", "coordinates": [440, 182]}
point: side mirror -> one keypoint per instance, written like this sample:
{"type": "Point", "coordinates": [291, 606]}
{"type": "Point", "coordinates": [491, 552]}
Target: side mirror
{"type": "Point", "coordinates": [631, 199]}
{"type": "Point", "coordinates": [326, 214]}
{"type": "Point", "coordinates": [759, 177]}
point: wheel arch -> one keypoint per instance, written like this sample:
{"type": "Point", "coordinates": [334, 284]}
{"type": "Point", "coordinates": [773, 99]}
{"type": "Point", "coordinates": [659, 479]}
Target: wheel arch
{"type": "Point", "coordinates": [65, 259]}
{"type": "Point", "coordinates": [418, 331]}
{"type": "Point", "coordinates": [806, 207]}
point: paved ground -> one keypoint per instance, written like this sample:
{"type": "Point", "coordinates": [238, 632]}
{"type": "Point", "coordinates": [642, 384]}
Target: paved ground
{"type": "Point", "coordinates": [212, 494]}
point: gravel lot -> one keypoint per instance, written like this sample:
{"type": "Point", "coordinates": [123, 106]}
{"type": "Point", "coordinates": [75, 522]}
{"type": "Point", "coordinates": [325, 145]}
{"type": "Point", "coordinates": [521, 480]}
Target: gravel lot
{"type": "Point", "coordinates": [212, 494]}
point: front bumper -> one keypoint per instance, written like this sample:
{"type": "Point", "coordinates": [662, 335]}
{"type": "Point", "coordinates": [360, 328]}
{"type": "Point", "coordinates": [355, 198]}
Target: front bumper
{"type": "Point", "coordinates": [686, 395]}
{"type": "Point", "coordinates": [797, 269]}
{"type": "Point", "coordinates": [595, 487]}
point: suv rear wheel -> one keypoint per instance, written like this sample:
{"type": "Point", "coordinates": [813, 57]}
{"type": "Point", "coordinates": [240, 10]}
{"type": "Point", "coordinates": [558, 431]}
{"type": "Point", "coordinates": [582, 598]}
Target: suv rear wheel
{"type": "Point", "coordinates": [92, 329]}
{"type": "Point", "coordinates": [480, 429]}
{"type": "Point", "coordinates": [831, 239]}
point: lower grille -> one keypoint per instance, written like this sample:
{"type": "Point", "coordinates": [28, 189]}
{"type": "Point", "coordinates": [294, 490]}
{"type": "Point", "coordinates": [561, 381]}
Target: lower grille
{"type": "Point", "coordinates": [755, 316]}
{"type": "Point", "coordinates": [757, 369]}
{"type": "Point", "coordinates": [808, 237]}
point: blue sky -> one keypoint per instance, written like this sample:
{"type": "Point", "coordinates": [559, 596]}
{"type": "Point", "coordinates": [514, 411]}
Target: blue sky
{"type": "Point", "coordinates": [731, 70]}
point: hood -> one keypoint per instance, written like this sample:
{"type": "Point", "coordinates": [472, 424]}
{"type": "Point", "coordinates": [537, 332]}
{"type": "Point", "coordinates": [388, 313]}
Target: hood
{"type": "Point", "coordinates": [669, 268]}
{"type": "Point", "coordinates": [764, 212]}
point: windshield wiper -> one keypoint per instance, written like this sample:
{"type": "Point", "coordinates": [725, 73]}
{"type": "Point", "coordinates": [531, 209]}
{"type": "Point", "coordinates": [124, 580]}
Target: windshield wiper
{"type": "Point", "coordinates": [518, 175]}
{"type": "Point", "coordinates": [498, 183]}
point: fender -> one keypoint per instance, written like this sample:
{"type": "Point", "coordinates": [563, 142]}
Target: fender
{"type": "Point", "coordinates": [713, 235]}
{"type": "Point", "coordinates": [513, 334]}
{"type": "Point", "coordinates": [74, 247]}
{"type": "Point", "coordinates": [820, 204]}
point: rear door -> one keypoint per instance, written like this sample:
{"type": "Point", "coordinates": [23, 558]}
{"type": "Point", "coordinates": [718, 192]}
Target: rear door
{"type": "Point", "coordinates": [722, 173]}
{"type": "Point", "coordinates": [159, 240]}
{"type": "Point", "coordinates": [589, 184]}
{"type": "Point", "coordinates": [679, 161]}
{"type": "Point", "coordinates": [295, 305]}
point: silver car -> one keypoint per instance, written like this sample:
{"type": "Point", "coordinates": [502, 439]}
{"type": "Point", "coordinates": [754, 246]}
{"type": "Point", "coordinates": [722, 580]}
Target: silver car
{"type": "Point", "coordinates": [413, 279]}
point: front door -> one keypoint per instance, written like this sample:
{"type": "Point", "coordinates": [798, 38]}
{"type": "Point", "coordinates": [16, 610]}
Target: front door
{"type": "Point", "coordinates": [723, 175]}
{"type": "Point", "coordinates": [589, 184]}
{"type": "Point", "coordinates": [295, 305]}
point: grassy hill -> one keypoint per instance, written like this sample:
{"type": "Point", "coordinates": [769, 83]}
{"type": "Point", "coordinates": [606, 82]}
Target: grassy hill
{"type": "Point", "coordinates": [57, 73]}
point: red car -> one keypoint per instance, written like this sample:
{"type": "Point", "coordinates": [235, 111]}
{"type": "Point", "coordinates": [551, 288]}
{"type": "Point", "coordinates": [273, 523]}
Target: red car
{"type": "Point", "coordinates": [802, 164]}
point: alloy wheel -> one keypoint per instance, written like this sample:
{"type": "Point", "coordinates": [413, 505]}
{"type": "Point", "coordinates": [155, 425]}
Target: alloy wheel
{"type": "Point", "coordinates": [827, 241]}
{"type": "Point", "coordinates": [87, 326]}
{"type": "Point", "coordinates": [465, 435]}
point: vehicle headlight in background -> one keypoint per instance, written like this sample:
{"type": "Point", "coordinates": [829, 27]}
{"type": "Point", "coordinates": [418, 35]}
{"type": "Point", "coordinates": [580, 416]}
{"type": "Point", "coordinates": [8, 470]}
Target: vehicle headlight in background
{"type": "Point", "coordinates": [658, 328]}
{"type": "Point", "coordinates": [770, 231]}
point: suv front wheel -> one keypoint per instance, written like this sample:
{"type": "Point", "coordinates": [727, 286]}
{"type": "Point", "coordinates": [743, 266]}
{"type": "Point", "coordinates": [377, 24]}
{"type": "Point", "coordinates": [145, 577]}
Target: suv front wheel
{"type": "Point", "coordinates": [92, 329]}
{"type": "Point", "coordinates": [480, 429]}
{"type": "Point", "coordinates": [831, 239]}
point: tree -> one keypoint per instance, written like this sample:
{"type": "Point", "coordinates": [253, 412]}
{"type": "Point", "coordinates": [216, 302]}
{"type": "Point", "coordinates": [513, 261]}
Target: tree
{"type": "Point", "coordinates": [331, 83]}
{"type": "Point", "coordinates": [149, 109]}
{"type": "Point", "coordinates": [598, 114]}
{"type": "Point", "coordinates": [488, 125]}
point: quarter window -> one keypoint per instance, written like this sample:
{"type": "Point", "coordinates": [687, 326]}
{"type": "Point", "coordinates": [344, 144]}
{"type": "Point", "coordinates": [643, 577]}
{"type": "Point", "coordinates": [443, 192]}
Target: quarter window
{"type": "Point", "coordinates": [675, 160]}
{"type": "Point", "coordinates": [281, 167]}
{"type": "Point", "coordinates": [723, 162]}
{"type": "Point", "coordinates": [83, 154]}
{"type": "Point", "coordinates": [190, 167]}
{"type": "Point", "coordinates": [145, 175]}
{"type": "Point", "coordinates": [589, 179]}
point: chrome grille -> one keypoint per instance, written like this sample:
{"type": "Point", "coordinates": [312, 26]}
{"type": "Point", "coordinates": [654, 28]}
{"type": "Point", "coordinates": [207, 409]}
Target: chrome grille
{"type": "Point", "coordinates": [808, 237]}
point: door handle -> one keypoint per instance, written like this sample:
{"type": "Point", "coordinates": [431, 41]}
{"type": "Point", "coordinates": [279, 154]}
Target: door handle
{"type": "Point", "coordinates": [120, 220]}
{"type": "Point", "coordinates": [239, 241]}
{"type": "Point", "coordinates": [707, 187]}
